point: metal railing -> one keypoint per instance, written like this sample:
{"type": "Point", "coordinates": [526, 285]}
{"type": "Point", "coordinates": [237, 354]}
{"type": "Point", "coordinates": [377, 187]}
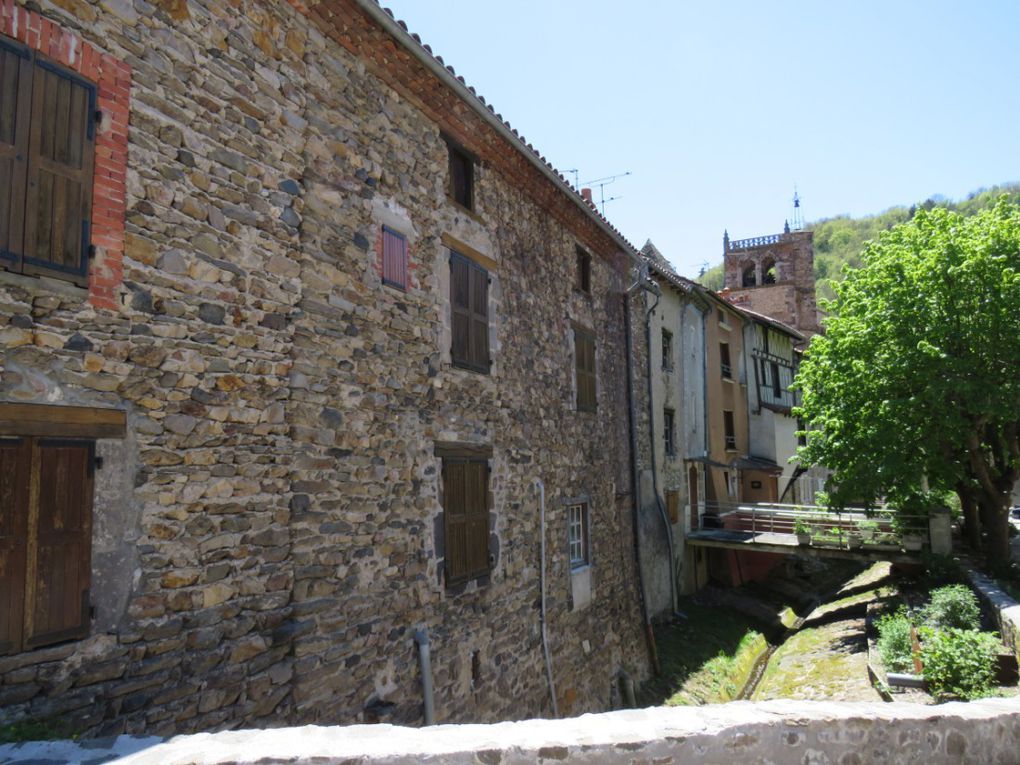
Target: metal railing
{"type": "Point", "coordinates": [853, 528]}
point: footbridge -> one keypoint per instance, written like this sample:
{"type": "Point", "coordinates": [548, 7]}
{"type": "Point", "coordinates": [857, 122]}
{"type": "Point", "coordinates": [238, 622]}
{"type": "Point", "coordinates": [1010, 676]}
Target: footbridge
{"type": "Point", "coordinates": [853, 534]}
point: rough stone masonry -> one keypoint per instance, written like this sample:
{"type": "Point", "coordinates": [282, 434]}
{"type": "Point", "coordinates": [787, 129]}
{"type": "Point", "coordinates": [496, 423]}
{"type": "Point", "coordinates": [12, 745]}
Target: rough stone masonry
{"type": "Point", "coordinates": [268, 535]}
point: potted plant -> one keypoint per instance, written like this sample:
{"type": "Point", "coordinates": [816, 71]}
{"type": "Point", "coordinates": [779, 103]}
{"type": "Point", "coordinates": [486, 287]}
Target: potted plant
{"type": "Point", "coordinates": [803, 531]}
{"type": "Point", "coordinates": [868, 530]}
{"type": "Point", "coordinates": [913, 541]}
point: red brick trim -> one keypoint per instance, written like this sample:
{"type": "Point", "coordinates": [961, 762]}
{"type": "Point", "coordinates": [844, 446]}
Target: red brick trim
{"type": "Point", "coordinates": [109, 187]}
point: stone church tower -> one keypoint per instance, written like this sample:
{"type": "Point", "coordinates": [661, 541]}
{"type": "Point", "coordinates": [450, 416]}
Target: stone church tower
{"type": "Point", "coordinates": [774, 276]}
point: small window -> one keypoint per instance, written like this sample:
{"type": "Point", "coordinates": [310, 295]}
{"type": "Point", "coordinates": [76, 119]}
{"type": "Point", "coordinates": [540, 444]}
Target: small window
{"type": "Point", "coordinates": [469, 302]}
{"type": "Point", "coordinates": [465, 518]}
{"type": "Point", "coordinates": [583, 270]}
{"type": "Point", "coordinates": [584, 366]}
{"type": "Point", "coordinates": [673, 505]}
{"type": "Point", "coordinates": [667, 349]}
{"type": "Point", "coordinates": [724, 361]}
{"type": "Point", "coordinates": [729, 430]}
{"type": "Point", "coordinates": [668, 431]}
{"type": "Point", "coordinates": [394, 259]}
{"type": "Point", "coordinates": [577, 534]}
{"type": "Point", "coordinates": [47, 147]}
{"type": "Point", "coordinates": [462, 176]}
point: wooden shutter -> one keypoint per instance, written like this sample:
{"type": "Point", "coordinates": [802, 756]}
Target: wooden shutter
{"type": "Point", "coordinates": [394, 259]}
{"type": "Point", "coordinates": [584, 363]}
{"type": "Point", "coordinates": [15, 469]}
{"type": "Point", "coordinates": [15, 107]}
{"type": "Point", "coordinates": [60, 160]}
{"type": "Point", "coordinates": [60, 543]}
{"type": "Point", "coordinates": [465, 518]}
{"type": "Point", "coordinates": [461, 177]}
{"type": "Point", "coordinates": [469, 298]}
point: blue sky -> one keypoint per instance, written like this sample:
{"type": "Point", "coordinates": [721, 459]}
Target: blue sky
{"type": "Point", "coordinates": [717, 109]}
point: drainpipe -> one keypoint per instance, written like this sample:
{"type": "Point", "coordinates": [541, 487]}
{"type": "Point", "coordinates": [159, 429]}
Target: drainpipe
{"type": "Point", "coordinates": [651, 434]}
{"type": "Point", "coordinates": [421, 638]}
{"type": "Point", "coordinates": [541, 578]}
{"type": "Point", "coordinates": [634, 482]}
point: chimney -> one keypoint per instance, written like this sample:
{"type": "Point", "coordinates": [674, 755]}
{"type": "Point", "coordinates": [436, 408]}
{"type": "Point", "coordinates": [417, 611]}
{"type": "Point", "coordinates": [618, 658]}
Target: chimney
{"type": "Point", "coordinates": [586, 194]}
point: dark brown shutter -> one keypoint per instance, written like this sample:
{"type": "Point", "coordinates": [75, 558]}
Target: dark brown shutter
{"type": "Point", "coordinates": [394, 259]}
{"type": "Point", "coordinates": [60, 160]}
{"type": "Point", "coordinates": [59, 566]}
{"type": "Point", "coordinates": [15, 469]}
{"type": "Point", "coordinates": [584, 363]}
{"type": "Point", "coordinates": [469, 298]}
{"type": "Point", "coordinates": [465, 518]}
{"type": "Point", "coordinates": [461, 177]}
{"type": "Point", "coordinates": [15, 107]}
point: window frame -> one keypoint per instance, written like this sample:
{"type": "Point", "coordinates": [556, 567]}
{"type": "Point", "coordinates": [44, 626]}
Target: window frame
{"type": "Point", "coordinates": [582, 281]}
{"type": "Point", "coordinates": [669, 431]}
{"type": "Point", "coordinates": [452, 577]}
{"type": "Point", "coordinates": [667, 350]}
{"type": "Point", "coordinates": [482, 365]}
{"type": "Point", "coordinates": [29, 162]}
{"type": "Point", "coordinates": [390, 235]}
{"type": "Point", "coordinates": [725, 361]}
{"type": "Point", "coordinates": [580, 541]}
{"type": "Point", "coordinates": [581, 402]}
{"type": "Point", "coordinates": [458, 156]}
{"type": "Point", "coordinates": [729, 430]}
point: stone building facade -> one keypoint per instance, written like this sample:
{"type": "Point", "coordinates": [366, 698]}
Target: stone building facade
{"type": "Point", "coordinates": [269, 522]}
{"type": "Point", "coordinates": [774, 276]}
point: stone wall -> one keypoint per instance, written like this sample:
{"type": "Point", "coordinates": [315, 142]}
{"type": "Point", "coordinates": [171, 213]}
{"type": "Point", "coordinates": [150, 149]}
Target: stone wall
{"type": "Point", "coordinates": [777, 732]}
{"type": "Point", "coordinates": [791, 299]}
{"type": "Point", "coordinates": [270, 532]}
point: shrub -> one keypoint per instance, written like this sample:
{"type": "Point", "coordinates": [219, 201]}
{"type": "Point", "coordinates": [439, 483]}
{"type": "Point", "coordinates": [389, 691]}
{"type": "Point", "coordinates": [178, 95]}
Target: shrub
{"type": "Point", "coordinates": [941, 569]}
{"type": "Point", "coordinates": [894, 643]}
{"type": "Point", "coordinates": [959, 662]}
{"type": "Point", "coordinates": [955, 606]}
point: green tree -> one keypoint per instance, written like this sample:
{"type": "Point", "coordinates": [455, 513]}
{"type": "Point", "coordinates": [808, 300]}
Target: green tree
{"type": "Point", "coordinates": [914, 389]}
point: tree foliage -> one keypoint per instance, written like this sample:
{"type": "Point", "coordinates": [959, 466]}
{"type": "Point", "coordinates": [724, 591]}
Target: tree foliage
{"type": "Point", "coordinates": [914, 388]}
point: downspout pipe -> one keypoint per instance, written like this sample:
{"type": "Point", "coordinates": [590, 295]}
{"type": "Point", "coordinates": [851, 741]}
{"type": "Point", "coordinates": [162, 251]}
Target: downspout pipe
{"type": "Point", "coordinates": [421, 639]}
{"type": "Point", "coordinates": [543, 618]}
{"type": "Point", "coordinates": [651, 435]}
{"type": "Point", "coordinates": [634, 482]}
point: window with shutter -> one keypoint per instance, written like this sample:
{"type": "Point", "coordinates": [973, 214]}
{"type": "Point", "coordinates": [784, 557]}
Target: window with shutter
{"type": "Point", "coordinates": [583, 270]}
{"type": "Point", "coordinates": [47, 136]}
{"type": "Point", "coordinates": [45, 540]}
{"type": "Point", "coordinates": [469, 301]}
{"type": "Point", "coordinates": [465, 518]}
{"type": "Point", "coordinates": [394, 259]}
{"type": "Point", "coordinates": [462, 175]}
{"type": "Point", "coordinates": [584, 365]}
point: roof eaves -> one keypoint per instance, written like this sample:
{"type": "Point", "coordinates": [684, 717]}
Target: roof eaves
{"type": "Point", "coordinates": [448, 76]}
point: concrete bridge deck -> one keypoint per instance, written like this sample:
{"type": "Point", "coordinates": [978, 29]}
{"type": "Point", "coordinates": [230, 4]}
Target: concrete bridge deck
{"type": "Point", "coordinates": [786, 544]}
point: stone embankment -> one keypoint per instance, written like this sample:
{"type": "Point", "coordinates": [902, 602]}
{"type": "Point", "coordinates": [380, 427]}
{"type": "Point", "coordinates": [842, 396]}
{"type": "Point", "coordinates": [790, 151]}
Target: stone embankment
{"type": "Point", "coordinates": [846, 733]}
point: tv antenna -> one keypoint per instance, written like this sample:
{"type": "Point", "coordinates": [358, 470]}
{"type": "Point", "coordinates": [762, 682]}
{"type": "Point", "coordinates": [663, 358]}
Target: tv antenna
{"type": "Point", "coordinates": [602, 183]}
{"type": "Point", "coordinates": [575, 171]}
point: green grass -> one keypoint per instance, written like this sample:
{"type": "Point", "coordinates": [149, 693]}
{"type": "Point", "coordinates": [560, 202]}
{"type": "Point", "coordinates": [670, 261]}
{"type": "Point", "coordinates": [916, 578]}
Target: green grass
{"type": "Point", "coordinates": [37, 730]}
{"type": "Point", "coordinates": [705, 659]}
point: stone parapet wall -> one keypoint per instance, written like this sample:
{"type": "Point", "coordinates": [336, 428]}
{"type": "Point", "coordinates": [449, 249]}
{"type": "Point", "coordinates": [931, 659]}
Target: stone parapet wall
{"type": "Point", "coordinates": [776, 732]}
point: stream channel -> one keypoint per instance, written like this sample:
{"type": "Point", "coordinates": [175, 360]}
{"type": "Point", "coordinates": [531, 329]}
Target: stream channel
{"type": "Point", "coordinates": [798, 635]}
